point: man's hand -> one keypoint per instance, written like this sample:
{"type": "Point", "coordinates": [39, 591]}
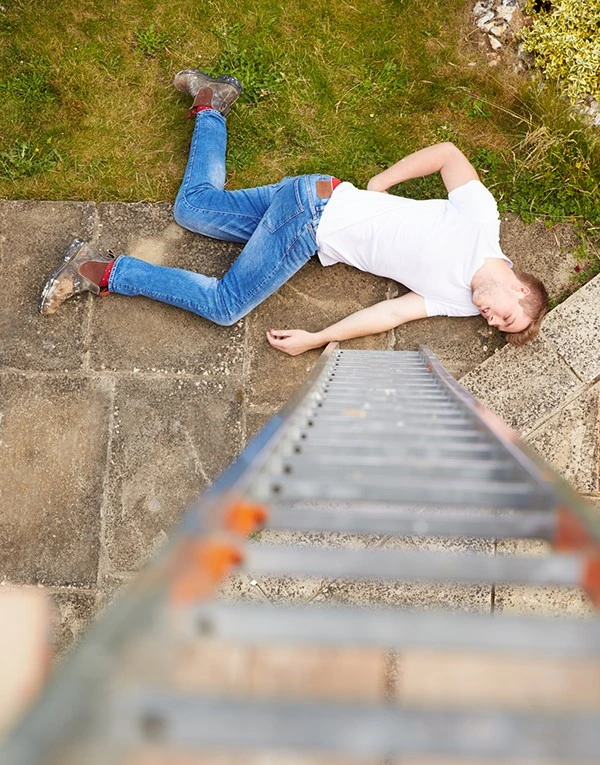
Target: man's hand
{"type": "Point", "coordinates": [292, 341]}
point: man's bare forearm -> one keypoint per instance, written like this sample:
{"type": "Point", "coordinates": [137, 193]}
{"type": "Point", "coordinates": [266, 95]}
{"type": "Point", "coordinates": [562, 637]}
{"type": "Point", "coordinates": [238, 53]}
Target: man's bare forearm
{"type": "Point", "coordinates": [380, 317]}
{"type": "Point", "coordinates": [444, 158]}
{"type": "Point", "coordinates": [368, 321]}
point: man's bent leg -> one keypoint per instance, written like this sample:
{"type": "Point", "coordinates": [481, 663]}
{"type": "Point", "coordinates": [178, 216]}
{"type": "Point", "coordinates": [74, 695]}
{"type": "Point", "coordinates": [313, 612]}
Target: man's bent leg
{"type": "Point", "coordinates": [202, 205]}
{"type": "Point", "coordinates": [281, 244]}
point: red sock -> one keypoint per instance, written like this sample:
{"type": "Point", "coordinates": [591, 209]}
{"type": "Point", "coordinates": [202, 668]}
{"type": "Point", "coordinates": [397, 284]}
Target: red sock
{"type": "Point", "coordinates": [106, 275]}
{"type": "Point", "coordinates": [193, 111]}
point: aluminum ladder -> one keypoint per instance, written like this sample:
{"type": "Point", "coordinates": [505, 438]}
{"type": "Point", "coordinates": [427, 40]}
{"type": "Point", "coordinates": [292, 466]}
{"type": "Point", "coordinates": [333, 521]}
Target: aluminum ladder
{"type": "Point", "coordinates": [384, 445]}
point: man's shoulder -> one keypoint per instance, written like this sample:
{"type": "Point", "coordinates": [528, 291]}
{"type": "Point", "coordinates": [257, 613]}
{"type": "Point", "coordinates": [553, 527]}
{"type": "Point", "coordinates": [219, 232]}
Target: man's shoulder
{"type": "Point", "coordinates": [474, 200]}
{"type": "Point", "coordinates": [437, 307]}
{"type": "Point", "coordinates": [473, 190]}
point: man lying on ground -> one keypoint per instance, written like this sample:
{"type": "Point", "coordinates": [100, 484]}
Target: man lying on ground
{"type": "Point", "coordinates": [445, 251]}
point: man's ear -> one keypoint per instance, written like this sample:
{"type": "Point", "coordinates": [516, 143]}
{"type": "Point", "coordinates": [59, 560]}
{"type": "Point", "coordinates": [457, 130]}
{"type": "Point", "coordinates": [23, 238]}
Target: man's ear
{"type": "Point", "coordinates": [521, 288]}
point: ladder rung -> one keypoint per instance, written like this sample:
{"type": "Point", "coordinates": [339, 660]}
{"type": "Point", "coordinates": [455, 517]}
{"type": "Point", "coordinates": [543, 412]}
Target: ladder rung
{"type": "Point", "coordinates": [369, 518]}
{"type": "Point", "coordinates": [409, 356]}
{"type": "Point", "coordinates": [410, 565]}
{"type": "Point", "coordinates": [376, 465]}
{"type": "Point", "coordinates": [202, 723]}
{"type": "Point", "coordinates": [332, 415]}
{"type": "Point", "coordinates": [392, 629]}
{"type": "Point", "coordinates": [399, 403]}
{"type": "Point", "coordinates": [413, 386]}
{"type": "Point", "coordinates": [325, 445]}
{"type": "Point", "coordinates": [474, 494]}
{"type": "Point", "coordinates": [383, 359]}
{"type": "Point", "coordinates": [365, 426]}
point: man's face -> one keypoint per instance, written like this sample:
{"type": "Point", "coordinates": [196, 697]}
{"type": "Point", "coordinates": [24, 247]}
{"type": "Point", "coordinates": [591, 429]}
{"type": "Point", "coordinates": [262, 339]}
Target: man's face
{"type": "Point", "coordinates": [500, 307]}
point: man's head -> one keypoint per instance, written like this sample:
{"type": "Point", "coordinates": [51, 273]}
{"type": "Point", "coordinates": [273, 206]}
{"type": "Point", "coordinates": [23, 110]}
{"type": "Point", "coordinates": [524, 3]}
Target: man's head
{"type": "Point", "coordinates": [535, 305]}
{"type": "Point", "coordinates": [514, 304]}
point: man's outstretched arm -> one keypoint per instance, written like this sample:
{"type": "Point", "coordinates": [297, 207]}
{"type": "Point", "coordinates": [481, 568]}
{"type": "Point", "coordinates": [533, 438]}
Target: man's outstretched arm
{"type": "Point", "coordinates": [368, 321]}
{"type": "Point", "coordinates": [444, 158]}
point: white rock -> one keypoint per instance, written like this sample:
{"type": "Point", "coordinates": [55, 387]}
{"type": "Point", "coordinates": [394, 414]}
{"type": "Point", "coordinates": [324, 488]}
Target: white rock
{"type": "Point", "coordinates": [481, 8]}
{"type": "Point", "coordinates": [494, 42]}
{"type": "Point", "coordinates": [498, 30]}
{"type": "Point", "coordinates": [505, 12]}
{"type": "Point", "coordinates": [485, 19]}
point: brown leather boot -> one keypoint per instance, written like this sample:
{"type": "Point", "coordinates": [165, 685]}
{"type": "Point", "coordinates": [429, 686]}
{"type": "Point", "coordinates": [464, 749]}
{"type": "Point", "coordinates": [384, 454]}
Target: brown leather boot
{"type": "Point", "coordinates": [81, 270]}
{"type": "Point", "coordinates": [213, 92]}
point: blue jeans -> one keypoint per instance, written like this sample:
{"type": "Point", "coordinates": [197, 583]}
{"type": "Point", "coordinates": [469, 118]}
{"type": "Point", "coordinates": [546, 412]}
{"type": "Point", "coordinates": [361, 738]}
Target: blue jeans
{"type": "Point", "coordinates": [277, 222]}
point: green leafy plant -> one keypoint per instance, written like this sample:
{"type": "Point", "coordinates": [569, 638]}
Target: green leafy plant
{"type": "Point", "coordinates": [588, 262]}
{"type": "Point", "coordinates": [564, 40]}
{"type": "Point", "coordinates": [488, 161]}
{"type": "Point", "coordinates": [23, 160]}
{"type": "Point", "coordinates": [254, 67]}
{"type": "Point", "coordinates": [150, 42]}
{"type": "Point", "coordinates": [445, 132]}
{"type": "Point", "coordinates": [554, 176]}
{"type": "Point", "coordinates": [473, 106]}
{"type": "Point", "coordinates": [30, 82]}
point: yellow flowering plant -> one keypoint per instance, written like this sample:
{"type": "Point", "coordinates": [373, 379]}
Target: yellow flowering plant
{"type": "Point", "coordinates": [564, 40]}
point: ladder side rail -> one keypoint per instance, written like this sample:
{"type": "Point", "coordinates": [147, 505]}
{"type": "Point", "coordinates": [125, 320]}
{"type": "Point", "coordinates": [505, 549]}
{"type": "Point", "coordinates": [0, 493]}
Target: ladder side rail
{"type": "Point", "coordinates": [207, 513]}
{"type": "Point", "coordinates": [75, 690]}
{"type": "Point", "coordinates": [560, 494]}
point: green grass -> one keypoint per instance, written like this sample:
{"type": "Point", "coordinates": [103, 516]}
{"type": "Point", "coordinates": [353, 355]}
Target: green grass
{"type": "Point", "coordinates": [347, 88]}
{"type": "Point", "coordinates": [150, 42]}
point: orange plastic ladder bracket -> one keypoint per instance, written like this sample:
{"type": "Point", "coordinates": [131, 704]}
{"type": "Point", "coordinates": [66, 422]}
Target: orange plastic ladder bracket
{"type": "Point", "coordinates": [205, 565]}
{"type": "Point", "coordinates": [590, 582]}
{"type": "Point", "coordinates": [244, 517]}
{"type": "Point", "coordinates": [571, 533]}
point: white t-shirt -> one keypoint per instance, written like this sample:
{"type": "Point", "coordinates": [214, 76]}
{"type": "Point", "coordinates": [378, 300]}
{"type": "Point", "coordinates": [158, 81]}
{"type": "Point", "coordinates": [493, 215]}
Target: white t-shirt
{"type": "Point", "coordinates": [433, 246]}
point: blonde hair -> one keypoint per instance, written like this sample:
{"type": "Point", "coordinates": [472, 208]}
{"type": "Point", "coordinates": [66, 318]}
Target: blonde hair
{"type": "Point", "coordinates": [536, 305]}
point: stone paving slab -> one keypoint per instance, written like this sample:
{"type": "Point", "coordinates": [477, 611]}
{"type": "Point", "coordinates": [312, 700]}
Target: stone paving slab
{"type": "Point", "coordinates": [52, 461]}
{"type": "Point", "coordinates": [472, 680]}
{"type": "Point", "coordinates": [460, 344]}
{"type": "Point", "coordinates": [74, 608]}
{"type": "Point", "coordinates": [574, 328]}
{"type": "Point", "coordinates": [313, 299]}
{"type": "Point", "coordinates": [158, 336]}
{"type": "Point", "coordinates": [149, 379]}
{"type": "Point", "coordinates": [545, 252]}
{"type": "Point", "coordinates": [569, 441]}
{"type": "Point", "coordinates": [405, 594]}
{"type": "Point", "coordinates": [547, 391]}
{"type": "Point", "coordinates": [541, 601]}
{"type": "Point", "coordinates": [33, 236]}
{"type": "Point", "coordinates": [162, 455]}
{"type": "Point", "coordinates": [523, 385]}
